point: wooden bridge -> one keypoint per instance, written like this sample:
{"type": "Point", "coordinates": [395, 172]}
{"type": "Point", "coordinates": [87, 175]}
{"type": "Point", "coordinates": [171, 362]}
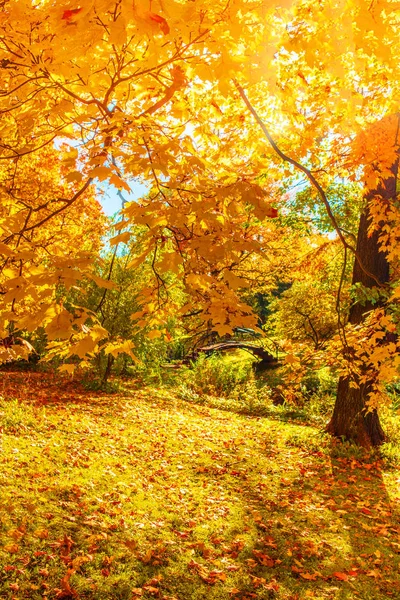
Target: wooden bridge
{"type": "Point", "coordinates": [267, 359]}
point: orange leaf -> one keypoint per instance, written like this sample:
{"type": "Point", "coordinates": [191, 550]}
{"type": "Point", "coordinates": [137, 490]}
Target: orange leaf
{"type": "Point", "coordinates": [42, 533]}
{"type": "Point", "coordinates": [131, 544]}
{"type": "Point", "coordinates": [66, 590]}
{"type": "Point", "coordinates": [161, 21]}
{"type": "Point", "coordinates": [151, 590]}
{"type": "Point", "coordinates": [11, 548]}
{"type": "Point", "coordinates": [310, 576]}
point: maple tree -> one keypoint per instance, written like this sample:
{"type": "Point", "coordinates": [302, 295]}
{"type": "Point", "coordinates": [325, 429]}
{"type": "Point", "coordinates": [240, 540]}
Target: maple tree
{"type": "Point", "coordinates": [306, 311]}
{"type": "Point", "coordinates": [170, 91]}
{"type": "Point", "coordinates": [46, 249]}
{"type": "Point", "coordinates": [115, 305]}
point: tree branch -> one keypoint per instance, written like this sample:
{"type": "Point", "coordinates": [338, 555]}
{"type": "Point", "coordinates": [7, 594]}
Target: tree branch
{"type": "Point", "coordinates": [309, 176]}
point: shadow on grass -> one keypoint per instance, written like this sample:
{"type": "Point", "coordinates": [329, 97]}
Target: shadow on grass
{"type": "Point", "coordinates": [331, 528]}
{"type": "Point", "coordinates": [217, 492]}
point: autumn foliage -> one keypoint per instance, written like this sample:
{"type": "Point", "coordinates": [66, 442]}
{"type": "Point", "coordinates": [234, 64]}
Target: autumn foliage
{"type": "Point", "coordinates": [222, 109]}
{"type": "Point", "coordinates": [138, 460]}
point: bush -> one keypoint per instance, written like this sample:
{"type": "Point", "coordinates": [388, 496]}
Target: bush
{"type": "Point", "coordinates": [319, 382]}
{"type": "Point", "coordinates": [217, 375]}
{"type": "Point", "coordinates": [227, 383]}
{"type": "Point", "coordinates": [251, 397]}
{"type": "Point", "coordinates": [390, 452]}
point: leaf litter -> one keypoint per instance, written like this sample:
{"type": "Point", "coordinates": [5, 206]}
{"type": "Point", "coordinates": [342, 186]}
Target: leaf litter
{"type": "Point", "coordinates": [139, 495]}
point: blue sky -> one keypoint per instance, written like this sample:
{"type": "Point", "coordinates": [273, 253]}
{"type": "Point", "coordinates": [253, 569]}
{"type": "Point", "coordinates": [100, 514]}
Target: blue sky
{"type": "Point", "coordinates": [110, 200]}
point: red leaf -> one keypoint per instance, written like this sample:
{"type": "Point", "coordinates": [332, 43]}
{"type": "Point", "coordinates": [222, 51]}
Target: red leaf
{"type": "Point", "coordinates": [353, 572]}
{"type": "Point", "coordinates": [296, 569]}
{"type": "Point", "coordinates": [341, 576]}
{"type": "Point", "coordinates": [69, 13]}
{"type": "Point", "coordinates": [366, 511]}
{"type": "Point", "coordinates": [161, 21]}
{"type": "Point", "coordinates": [271, 212]}
{"type": "Point", "coordinates": [264, 559]}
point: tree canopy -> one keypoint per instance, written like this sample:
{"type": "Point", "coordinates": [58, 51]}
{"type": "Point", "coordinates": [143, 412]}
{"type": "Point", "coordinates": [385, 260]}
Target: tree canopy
{"type": "Point", "coordinates": [222, 108]}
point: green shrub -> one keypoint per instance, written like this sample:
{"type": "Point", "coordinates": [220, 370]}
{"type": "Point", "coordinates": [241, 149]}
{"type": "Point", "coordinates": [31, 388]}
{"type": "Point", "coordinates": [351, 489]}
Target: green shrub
{"type": "Point", "coordinates": [187, 393]}
{"type": "Point", "coordinates": [252, 397]}
{"type": "Point", "coordinates": [219, 375]}
{"type": "Point", "coordinates": [318, 407]}
{"type": "Point", "coordinates": [390, 452]}
{"type": "Point", "coordinates": [320, 382]}
{"type": "Point", "coordinates": [227, 383]}
{"type": "Point", "coordinates": [91, 383]}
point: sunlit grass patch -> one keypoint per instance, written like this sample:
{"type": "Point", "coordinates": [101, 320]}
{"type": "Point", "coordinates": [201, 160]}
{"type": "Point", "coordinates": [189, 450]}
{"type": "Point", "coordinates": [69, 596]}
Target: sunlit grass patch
{"type": "Point", "coordinates": [143, 495]}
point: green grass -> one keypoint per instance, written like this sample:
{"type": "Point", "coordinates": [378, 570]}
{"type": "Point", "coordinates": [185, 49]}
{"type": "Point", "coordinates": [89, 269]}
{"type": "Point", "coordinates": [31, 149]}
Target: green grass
{"type": "Point", "coordinates": [142, 495]}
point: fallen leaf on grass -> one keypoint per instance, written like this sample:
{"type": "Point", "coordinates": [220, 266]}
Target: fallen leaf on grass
{"type": "Point", "coordinates": [151, 590]}
{"type": "Point", "coordinates": [80, 560]}
{"type": "Point", "coordinates": [233, 568]}
{"type": "Point", "coordinates": [182, 534]}
{"type": "Point", "coordinates": [66, 592]}
{"type": "Point", "coordinates": [130, 544]}
{"type": "Point", "coordinates": [11, 548]}
{"type": "Point", "coordinates": [309, 576]}
{"type": "Point", "coordinates": [42, 533]}
{"type": "Point", "coordinates": [366, 511]}
{"type": "Point", "coordinates": [154, 556]}
{"type": "Point", "coordinates": [269, 541]}
{"type": "Point", "coordinates": [17, 533]}
{"type": "Point", "coordinates": [65, 544]}
{"type": "Point", "coordinates": [258, 581]}
{"type": "Point", "coordinates": [264, 559]}
{"type": "Point", "coordinates": [341, 576]}
{"type": "Point", "coordinates": [210, 577]}
{"type": "Point", "coordinates": [272, 585]}
{"type": "Point", "coordinates": [216, 575]}
{"type": "Point", "coordinates": [154, 581]}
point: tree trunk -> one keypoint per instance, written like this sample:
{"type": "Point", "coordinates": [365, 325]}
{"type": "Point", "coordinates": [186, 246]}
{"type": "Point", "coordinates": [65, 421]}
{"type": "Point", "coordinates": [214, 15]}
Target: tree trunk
{"type": "Point", "coordinates": [350, 419]}
{"type": "Point", "coordinates": [107, 372]}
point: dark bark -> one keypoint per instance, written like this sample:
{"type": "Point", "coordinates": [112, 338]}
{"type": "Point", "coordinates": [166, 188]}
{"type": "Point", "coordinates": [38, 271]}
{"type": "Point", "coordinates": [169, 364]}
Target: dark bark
{"type": "Point", "coordinates": [350, 420]}
{"type": "Point", "coordinates": [107, 372]}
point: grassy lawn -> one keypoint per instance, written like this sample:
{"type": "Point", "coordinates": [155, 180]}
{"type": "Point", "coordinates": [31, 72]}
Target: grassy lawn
{"type": "Point", "coordinates": [142, 495]}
